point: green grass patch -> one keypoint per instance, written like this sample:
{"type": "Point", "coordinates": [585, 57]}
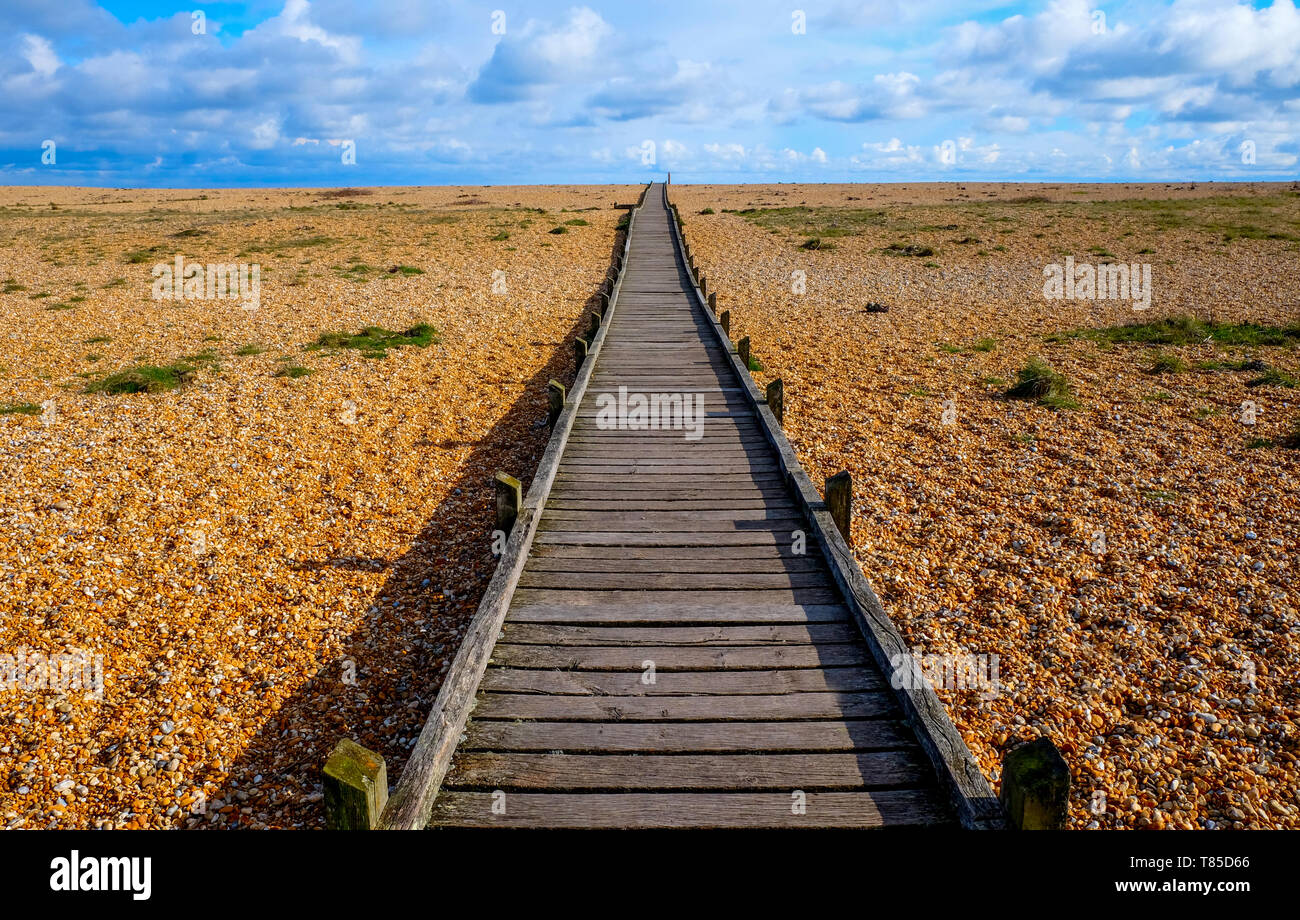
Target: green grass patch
{"type": "Point", "coordinates": [708, 211]}
{"type": "Point", "coordinates": [294, 371]}
{"type": "Point", "coordinates": [1166, 363]}
{"type": "Point", "coordinates": [500, 237]}
{"type": "Point", "coordinates": [817, 244]}
{"type": "Point", "coordinates": [577, 222]}
{"type": "Point", "coordinates": [245, 351]}
{"type": "Point", "coordinates": [1272, 377]}
{"type": "Point", "coordinates": [145, 378]}
{"type": "Point", "coordinates": [20, 409]}
{"type": "Point", "coordinates": [558, 230]}
{"type": "Point", "coordinates": [908, 249]}
{"type": "Point", "coordinates": [406, 270]}
{"type": "Point", "coordinates": [137, 256]}
{"type": "Point", "coordinates": [1188, 330]}
{"type": "Point", "coordinates": [97, 340]}
{"type": "Point", "coordinates": [1039, 382]}
{"type": "Point", "coordinates": [13, 287]}
{"type": "Point", "coordinates": [374, 341]}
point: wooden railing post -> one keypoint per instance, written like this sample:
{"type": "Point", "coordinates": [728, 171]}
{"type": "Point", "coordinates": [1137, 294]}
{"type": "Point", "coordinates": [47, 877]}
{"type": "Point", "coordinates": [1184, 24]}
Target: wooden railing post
{"type": "Point", "coordinates": [509, 498]}
{"type": "Point", "coordinates": [554, 401]}
{"type": "Point", "coordinates": [579, 353]}
{"type": "Point", "coordinates": [725, 321]}
{"type": "Point", "coordinates": [1036, 786]}
{"type": "Point", "coordinates": [839, 502]}
{"type": "Point", "coordinates": [593, 325]}
{"type": "Point", "coordinates": [355, 784]}
{"type": "Point", "coordinates": [704, 284]}
{"type": "Point", "coordinates": [742, 349]}
{"type": "Point", "coordinates": [713, 303]}
{"type": "Point", "coordinates": [776, 399]}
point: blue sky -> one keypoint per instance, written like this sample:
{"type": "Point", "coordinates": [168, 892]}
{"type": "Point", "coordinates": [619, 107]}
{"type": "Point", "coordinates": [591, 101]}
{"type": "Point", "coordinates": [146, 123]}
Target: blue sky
{"type": "Point", "coordinates": [138, 93]}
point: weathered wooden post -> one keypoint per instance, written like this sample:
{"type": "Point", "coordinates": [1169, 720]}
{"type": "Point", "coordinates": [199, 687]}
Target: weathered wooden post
{"type": "Point", "coordinates": [713, 303]}
{"type": "Point", "coordinates": [1036, 786]}
{"type": "Point", "coordinates": [604, 304]}
{"type": "Point", "coordinates": [776, 399]}
{"type": "Point", "coordinates": [742, 349]}
{"type": "Point", "coordinates": [554, 401]}
{"type": "Point", "coordinates": [839, 502]}
{"type": "Point", "coordinates": [704, 285]}
{"type": "Point", "coordinates": [593, 325]}
{"type": "Point", "coordinates": [355, 784]}
{"type": "Point", "coordinates": [579, 353]}
{"type": "Point", "coordinates": [510, 495]}
{"type": "Point", "coordinates": [725, 321]}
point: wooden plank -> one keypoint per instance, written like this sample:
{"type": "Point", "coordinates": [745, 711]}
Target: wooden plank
{"type": "Point", "coordinates": [647, 581]}
{"type": "Point", "coordinates": [797, 634]}
{"type": "Point", "coordinates": [527, 610]}
{"type": "Point", "coordinates": [823, 810]}
{"type": "Point", "coordinates": [676, 657]}
{"type": "Point", "coordinates": [734, 708]}
{"type": "Point", "coordinates": [865, 770]}
{"type": "Point", "coordinates": [701, 737]}
{"type": "Point", "coordinates": [679, 683]}
{"type": "Point", "coordinates": [618, 563]}
{"type": "Point", "coordinates": [634, 538]}
{"type": "Point", "coordinates": [801, 596]}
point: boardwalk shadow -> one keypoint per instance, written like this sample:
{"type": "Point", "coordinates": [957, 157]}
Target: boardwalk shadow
{"type": "Point", "coordinates": [380, 688]}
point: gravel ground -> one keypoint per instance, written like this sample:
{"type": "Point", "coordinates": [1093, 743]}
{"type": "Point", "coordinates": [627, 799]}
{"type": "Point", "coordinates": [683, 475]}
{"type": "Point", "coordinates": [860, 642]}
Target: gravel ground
{"type": "Point", "coordinates": [1160, 659]}
{"type": "Point", "coordinates": [266, 563]}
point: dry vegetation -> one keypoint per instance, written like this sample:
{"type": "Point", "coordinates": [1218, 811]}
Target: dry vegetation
{"type": "Point", "coordinates": [1134, 653]}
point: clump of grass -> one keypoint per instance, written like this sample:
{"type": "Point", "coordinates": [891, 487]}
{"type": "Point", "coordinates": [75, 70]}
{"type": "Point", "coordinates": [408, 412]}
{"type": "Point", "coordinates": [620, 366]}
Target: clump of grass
{"type": "Point", "coordinates": [405, 270]}
{"type": "Point", "coordinates": [61, 306]}
{"type": "Point", "coordinates": [20, 409]}
{"type": "Point", "coordinates": [294, 371]}
{"type": "Point", "coordinates": [755, 364]}
{"type": "Point", "coordinates": [137, 256]}
{"type": "Point", "coordinates": [145, 378]}
{"type": "Point", "coordinates": [708, 211]}
{"type": "Point", "coordinates": [1039, 382]}
{"type": "Point", "coordinates": [1166, 363]}
{"type": "Point", "coordinates": [624, 222]}
{"type": "Point", "coordinates": [558, 230]}
{"type": "Point", "coordinates": [374, 341]}
{"type": "Point", "coordinates": [1254, 443]}
{"type": "Point", "coordinates": [577, 222]}
{"type": "Point", "coordinates": [356, 272]}
{"type": "Point", "coordinates": [1245, 364]}
{"type": "Point", "coordinates": [97, 339]}
{"type": "Point", "coordinates": [1291, 439]}
{"type": "Point", "coordinates": [245, 351]}
{"type": "Point", "coordinates": [1272, 377]}
{"type": "Point", "coordinates": [908, 249]}
{"type": "Point", "coordinates": [816, 243]}
{"type": "Point", "coordinates": [501, 237]}
{"type": "Point", "coordinates": [1188, 330]}
{"type": "Point", "coordinates": [13, 287]}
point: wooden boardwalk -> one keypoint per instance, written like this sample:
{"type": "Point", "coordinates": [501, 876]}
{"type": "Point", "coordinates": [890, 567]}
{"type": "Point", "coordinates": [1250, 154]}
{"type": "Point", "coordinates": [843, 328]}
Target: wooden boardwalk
{"type": "Point", "coordinates": [668, 657]}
